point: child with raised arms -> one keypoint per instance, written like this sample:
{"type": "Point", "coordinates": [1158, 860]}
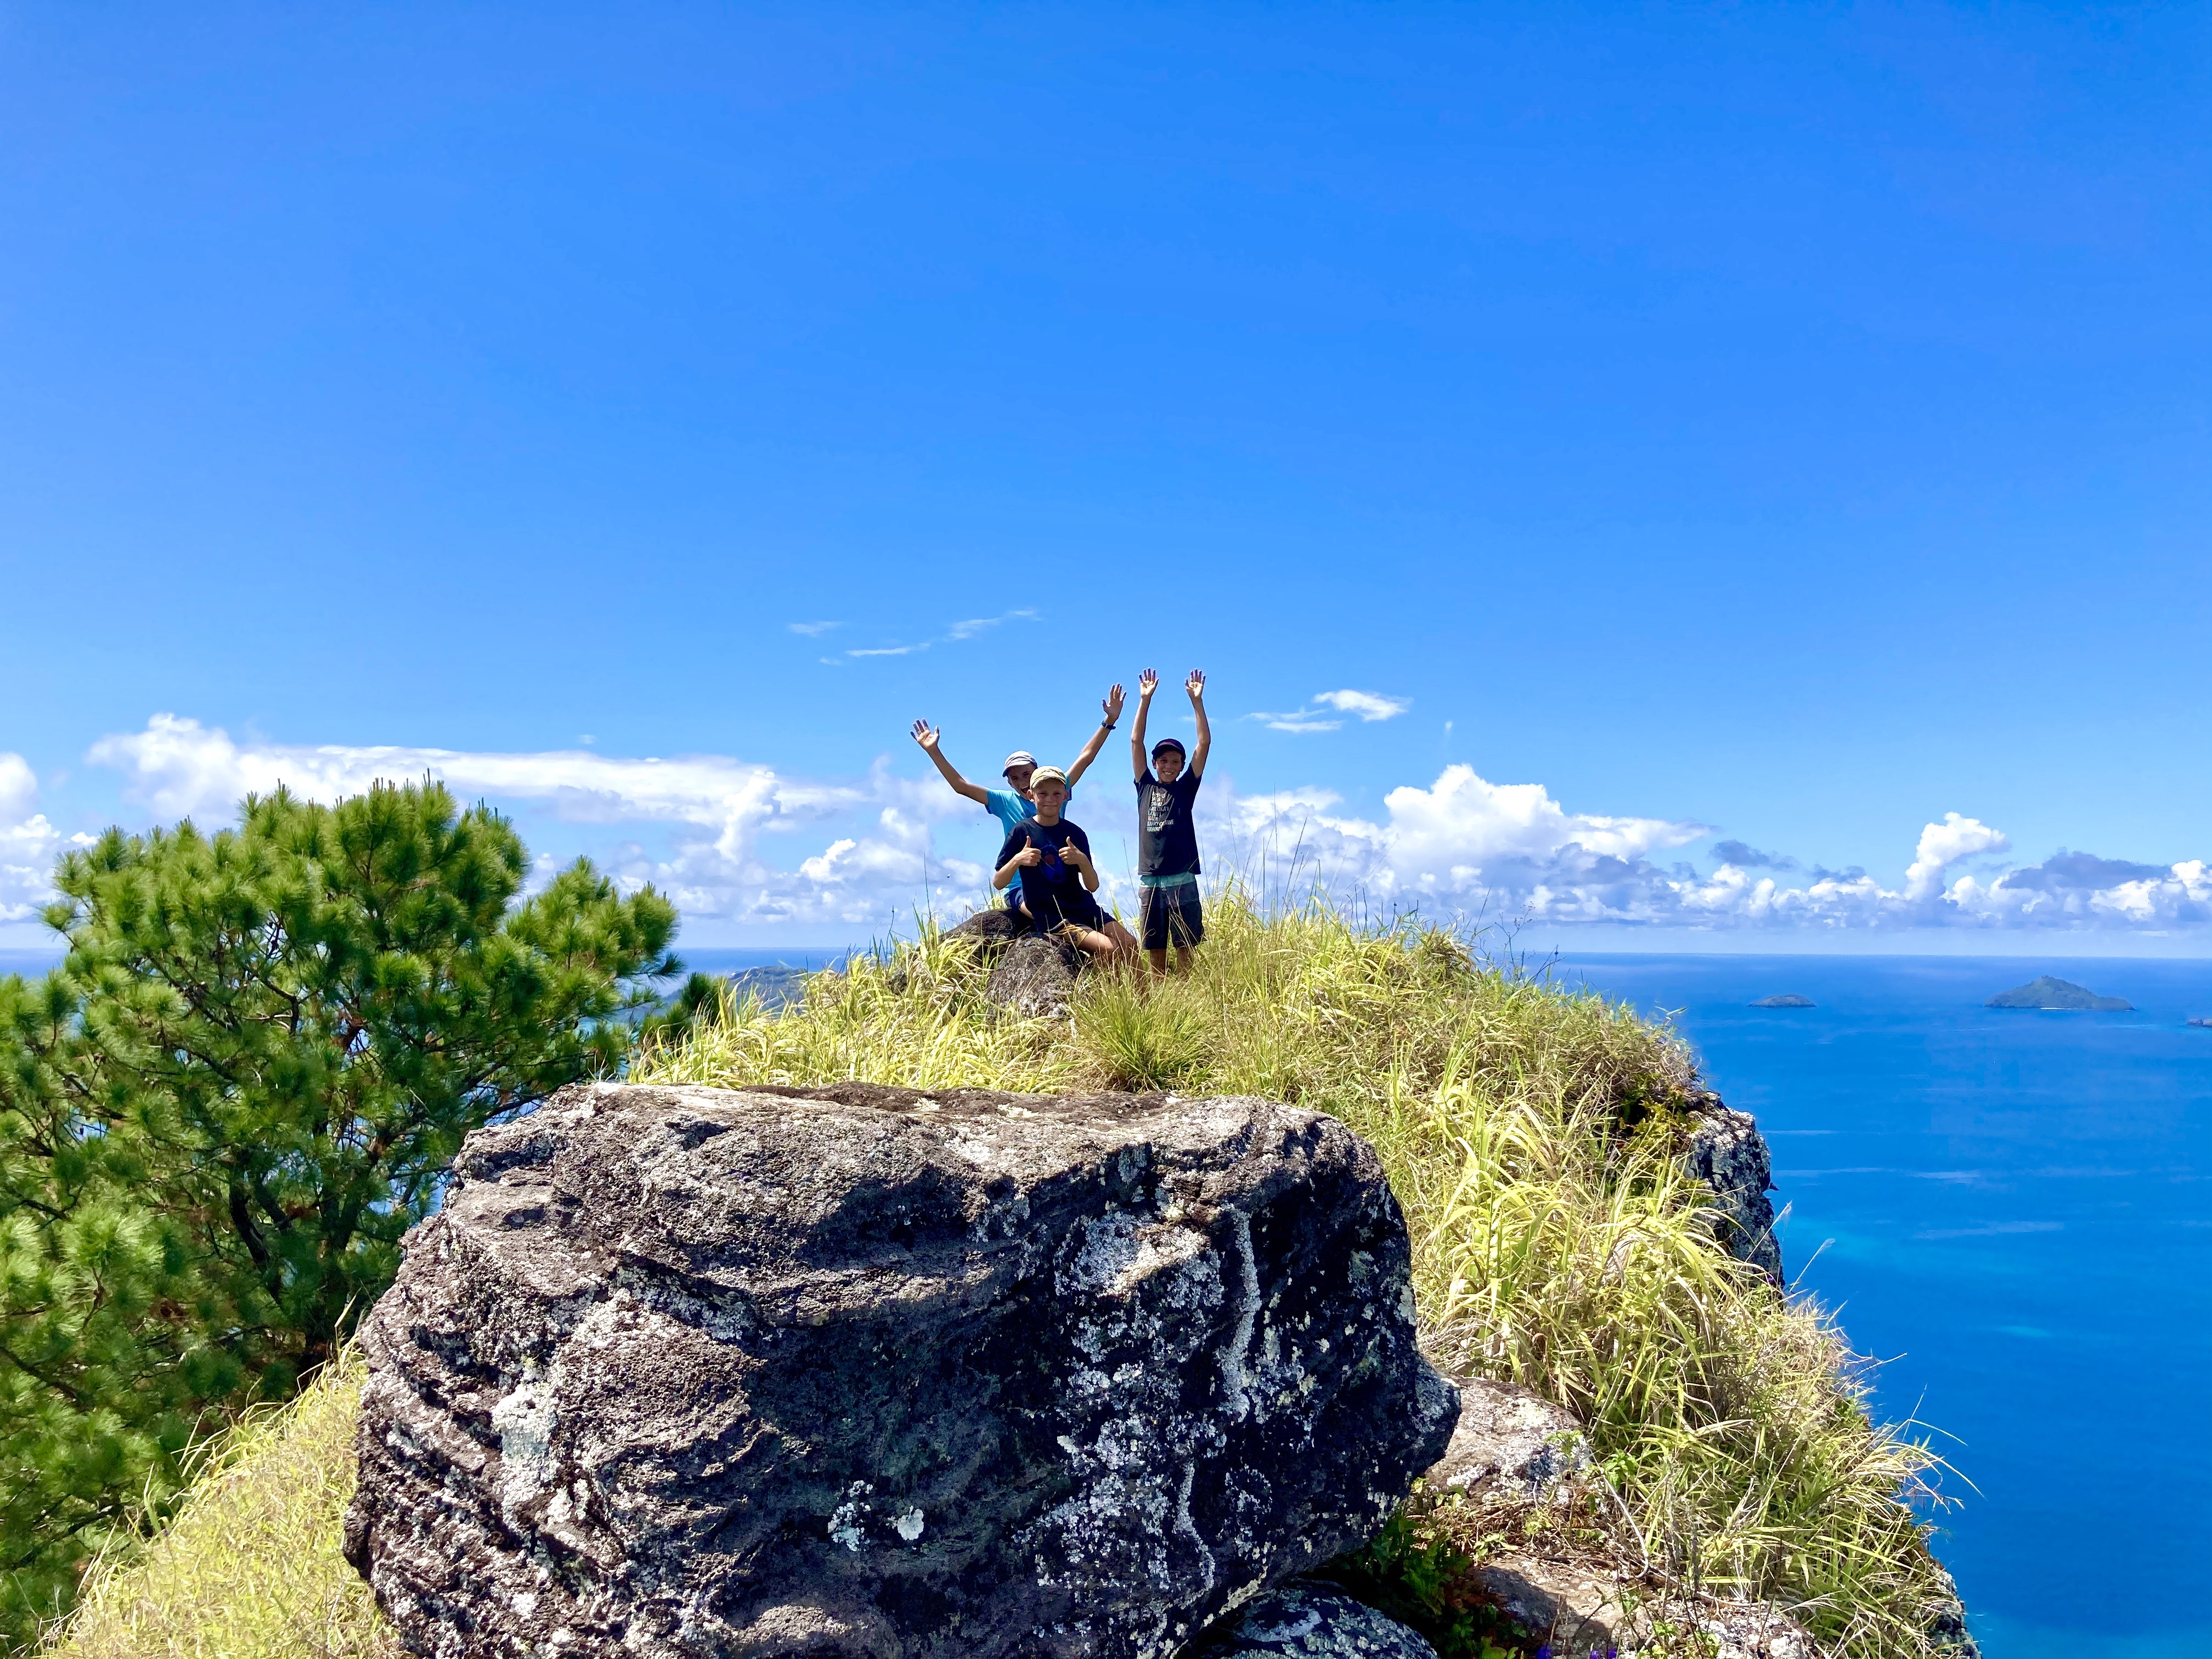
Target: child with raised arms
{"type": "Point", "coordinates": [1167, 838]}
{"type": "Point", "coordinates": [1012, 804]}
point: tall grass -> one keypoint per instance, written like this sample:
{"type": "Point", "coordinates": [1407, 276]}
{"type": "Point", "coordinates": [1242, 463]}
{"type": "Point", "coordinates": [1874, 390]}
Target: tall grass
{"type": "Point", "coordinates": [1530, 1133]}
{"type": "Point", "coordinates": [250, 1567]}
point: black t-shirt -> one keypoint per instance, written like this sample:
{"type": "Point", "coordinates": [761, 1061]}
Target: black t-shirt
{"type": "Point", "coordinates": [1167, 839]}
{"type": "Point", "coordinates": [1047, 886]}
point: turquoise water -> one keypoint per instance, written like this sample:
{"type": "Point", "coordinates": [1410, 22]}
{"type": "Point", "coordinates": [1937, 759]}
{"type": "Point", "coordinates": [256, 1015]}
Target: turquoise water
{"type": "Point", "coordinates": [2014, 1209]}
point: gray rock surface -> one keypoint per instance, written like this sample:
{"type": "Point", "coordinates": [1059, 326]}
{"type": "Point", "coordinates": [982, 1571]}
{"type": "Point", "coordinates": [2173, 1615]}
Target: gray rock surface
{"type": "Point", "coordinates": [1727, 1152]}
{"type": "Point", "coordinates": [1308, 1620]}
{"type": "Point", "coordinates": [1514, 1450]}
{"type": "Point", "coordinates": [1035, 975]}
{"type": "Point", "coordinates": [873, 1371]}
{"type": "Point", "coordinates": [1510, 1445]}
{"type": "Point", "coordinates": [1031, 975]}
{"type": "Point", "coordinates": [996, 926]}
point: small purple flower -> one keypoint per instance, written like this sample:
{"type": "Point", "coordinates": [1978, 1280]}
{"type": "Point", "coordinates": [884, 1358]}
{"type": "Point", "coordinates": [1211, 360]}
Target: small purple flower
{"type": "Point", "coordinates": [1544, 1652]}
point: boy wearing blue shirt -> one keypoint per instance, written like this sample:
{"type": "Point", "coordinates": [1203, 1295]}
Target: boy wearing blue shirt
{"type": "Point", "coordinates": [1013, 805]}
{"type": "Point", "coordinates": [1167, 836]}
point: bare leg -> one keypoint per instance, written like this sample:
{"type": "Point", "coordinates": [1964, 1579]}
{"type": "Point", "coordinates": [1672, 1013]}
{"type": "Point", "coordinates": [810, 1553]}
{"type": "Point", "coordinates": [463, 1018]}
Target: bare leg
{"type": "Point", "coordinates": [1158, 962]}
{"type": "Point", "coordinates": [1123, 939]}
{"type": "Point", "coordinates": [1088, 939]}
{"type": "Point", "coordinates": [1185, 955]}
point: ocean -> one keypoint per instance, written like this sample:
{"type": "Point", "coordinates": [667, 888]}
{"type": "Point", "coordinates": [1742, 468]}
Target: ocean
{"type": "Point", "coordinates": [2013, 1210]}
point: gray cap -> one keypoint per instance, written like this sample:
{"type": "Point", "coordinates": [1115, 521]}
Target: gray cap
{"type": "Point", "coordinates": [1019, 758]}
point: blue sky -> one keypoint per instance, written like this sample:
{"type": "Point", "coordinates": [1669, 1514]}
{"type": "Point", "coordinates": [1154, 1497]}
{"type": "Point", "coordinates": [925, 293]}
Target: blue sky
{"type": "Point", "coordinates": [1737, 438]}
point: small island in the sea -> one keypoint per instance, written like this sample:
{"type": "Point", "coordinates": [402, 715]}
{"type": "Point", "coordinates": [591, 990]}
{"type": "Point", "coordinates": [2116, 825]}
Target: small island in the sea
{"type": "Point", "coordinates": [1787, 999]}
{"type": "Point", "coordinates": [2049, 992]}
{"type": "Point", "coordinates": [2205, 1021]}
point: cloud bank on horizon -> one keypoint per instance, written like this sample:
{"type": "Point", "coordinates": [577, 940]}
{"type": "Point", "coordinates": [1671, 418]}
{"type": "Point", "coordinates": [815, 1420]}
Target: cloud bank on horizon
{"type": "Point", "coordinates": [861, 851]}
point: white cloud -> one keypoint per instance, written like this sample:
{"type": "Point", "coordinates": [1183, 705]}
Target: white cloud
{"type": "Point", "coordinates": [1941, 846]}
{"type": "Point", "coordinates": [718, 809]}
{"type": "Point", "coordinates": [975, 625]}
{"type": "Point", "coordinates": [1368, 705]}
{"type": "Point", "coordinates": [890, 650]}
{"type": "Point", "coordinates": [813, 629]}
{"type": "Point", "coordinates": [1511, 849]}
{"type": "Point", "coordinates": [27, 842]}
{"type": "Point", "coordinates": [861, 851]}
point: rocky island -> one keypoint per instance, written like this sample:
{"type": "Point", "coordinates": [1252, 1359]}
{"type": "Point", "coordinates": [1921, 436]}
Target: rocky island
{"type": "Point", "coordinates": [1787, 999]}
{"type": "Point", "coordinates": [2058, 994]}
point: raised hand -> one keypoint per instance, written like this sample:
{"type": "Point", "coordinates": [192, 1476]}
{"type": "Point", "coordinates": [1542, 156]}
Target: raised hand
{"type": "Point", "coordinates": [1112, 703]}
{"type": "Point", "coordinates": [1195, 684]}
{"type": "Point", "coordinates": [1147, 683]}
{"type": "Point", "coordinates": [925, 735]}
{"type": "Point", "coordinates": [1027, 859]}
{"type": "Point", "coordinates": [1076, 860]}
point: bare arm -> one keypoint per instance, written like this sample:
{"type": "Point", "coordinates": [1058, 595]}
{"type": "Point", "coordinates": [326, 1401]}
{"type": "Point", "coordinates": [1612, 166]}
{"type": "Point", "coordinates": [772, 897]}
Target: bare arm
{"type": "Point", "coordinates": [1147, 683]}
{"type": "Point", "coordinates": [1079, 860]}
{"type": "Point", "coordinates": [925, 735]}
{"type": "Point", "coordinates": [1013, 866]}
{"type": "Point", "coordinates": [1196, 686]}
{"type": "Point", "coordinates": [1112, 705]}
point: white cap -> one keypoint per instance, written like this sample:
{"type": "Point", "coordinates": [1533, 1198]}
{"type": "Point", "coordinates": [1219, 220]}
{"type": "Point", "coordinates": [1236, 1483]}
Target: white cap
{"type": "Point", "coordinates": [1019, 758]}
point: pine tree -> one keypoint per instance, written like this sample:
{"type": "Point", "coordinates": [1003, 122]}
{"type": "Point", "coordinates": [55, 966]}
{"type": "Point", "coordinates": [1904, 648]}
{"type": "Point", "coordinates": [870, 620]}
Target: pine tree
{"type": "Point", "coordinates": [244, 1083]}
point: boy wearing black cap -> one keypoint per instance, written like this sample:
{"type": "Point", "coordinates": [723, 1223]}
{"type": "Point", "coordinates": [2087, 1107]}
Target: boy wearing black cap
{"type": "Point", "coordinates": [1167, 839]}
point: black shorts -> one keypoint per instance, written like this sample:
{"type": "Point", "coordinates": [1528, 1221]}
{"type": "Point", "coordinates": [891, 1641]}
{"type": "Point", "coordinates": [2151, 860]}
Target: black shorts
{"type": "Point", "coordinates": [1171, 915]}
{"type": "Point", "coordinates": [1082, 910]}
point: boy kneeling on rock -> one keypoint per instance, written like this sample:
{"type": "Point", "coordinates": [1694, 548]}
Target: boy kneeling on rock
{"type": "Point", "coordinates": [1052, 858]}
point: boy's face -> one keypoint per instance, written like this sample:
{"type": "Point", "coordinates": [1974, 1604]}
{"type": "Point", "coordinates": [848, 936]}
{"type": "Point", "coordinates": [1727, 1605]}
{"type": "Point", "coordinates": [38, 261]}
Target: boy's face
{"type": "Point", "coordinates": [1167, 765]}
{"type": "Point", "coordinates": [1017, 779]}
{"type": "Point", "coordinates": [1051, 795]}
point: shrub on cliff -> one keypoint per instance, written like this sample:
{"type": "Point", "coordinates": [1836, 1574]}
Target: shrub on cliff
{"type": "Point", "coordinates": [243, 1085]}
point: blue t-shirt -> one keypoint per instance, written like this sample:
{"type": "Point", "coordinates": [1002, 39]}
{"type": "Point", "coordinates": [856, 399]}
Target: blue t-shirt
{"type": "Point", "coordinates": [1009, 808]}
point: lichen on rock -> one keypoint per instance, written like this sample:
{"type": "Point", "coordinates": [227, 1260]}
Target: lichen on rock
{"type": "Point", "coordinates": [873, 1371]}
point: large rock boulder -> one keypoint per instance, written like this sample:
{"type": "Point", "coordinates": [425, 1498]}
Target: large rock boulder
{"type": "Point", "coordinates": [1035, 975]}
{"type": "Point", "coordinates": [1305, 1619]}
{"type": "Point", "coordinates": [872, 1371]}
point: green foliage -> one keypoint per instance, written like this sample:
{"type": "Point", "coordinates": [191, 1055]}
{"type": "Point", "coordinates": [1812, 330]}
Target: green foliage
{"type": "Point", "coordinates": [1145, 1034]}
{"type": "Point", "coordinates": [243, 1085]}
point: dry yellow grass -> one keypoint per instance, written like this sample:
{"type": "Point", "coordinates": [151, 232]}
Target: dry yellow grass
{"type": "Point", "coordinates": [249, 1568]}
{"type": "Point", "coordinates": [1529, 1134]}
